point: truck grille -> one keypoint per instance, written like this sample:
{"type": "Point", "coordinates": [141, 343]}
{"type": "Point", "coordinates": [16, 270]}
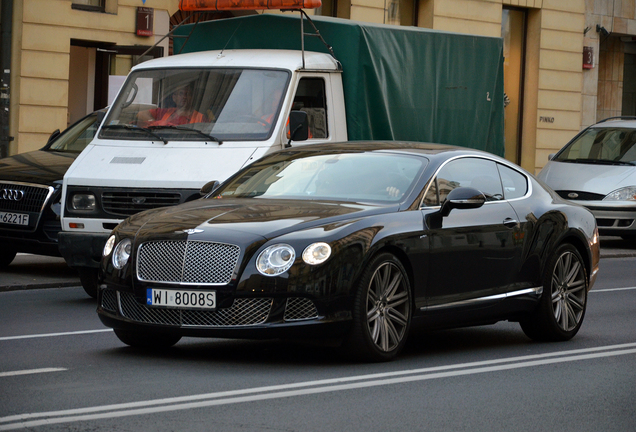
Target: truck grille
{"type": "Point", "coordinates": [243, 312]}
{"type": "Point", "coordinates": [187, 262]}
{"type": "Point", "coordinates": [130, 202]}
{"type": "Point", "coordinates": [33, 197]}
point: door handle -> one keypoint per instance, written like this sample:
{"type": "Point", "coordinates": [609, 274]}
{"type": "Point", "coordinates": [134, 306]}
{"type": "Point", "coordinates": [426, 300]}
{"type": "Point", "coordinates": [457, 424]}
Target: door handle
{"type": "Point", "coordinates": [510, 223]}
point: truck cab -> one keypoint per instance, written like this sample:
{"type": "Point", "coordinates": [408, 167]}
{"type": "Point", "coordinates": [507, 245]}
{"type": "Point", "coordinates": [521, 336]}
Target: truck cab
{"type": "Point", "coordinates": [180, 122]}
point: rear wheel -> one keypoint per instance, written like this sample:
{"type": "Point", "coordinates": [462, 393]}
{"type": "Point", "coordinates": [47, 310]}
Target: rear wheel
{"type": "Point", "coordinates": [146, 340]}
{"type": "Point", "coordinates": [7, 255]}
{"type": "Point", "coordinates": [562, 306]}
{"type": "Point", "coordinates": [88, 279]}
{"type": "Point", "coordinates": [382, 311]}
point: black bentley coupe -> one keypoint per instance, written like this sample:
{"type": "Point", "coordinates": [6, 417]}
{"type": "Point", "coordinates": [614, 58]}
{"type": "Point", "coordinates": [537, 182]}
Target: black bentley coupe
{"type": "Point", "coordinates": [354, 242]}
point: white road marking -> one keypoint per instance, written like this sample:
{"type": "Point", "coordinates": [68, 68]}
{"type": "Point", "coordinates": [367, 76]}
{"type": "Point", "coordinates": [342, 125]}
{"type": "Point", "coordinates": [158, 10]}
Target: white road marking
{"type": "Point", "coordinates": [23, 421]}
{"type": "Point", "coordinates": [6, 338]}
{"type": "Point", "coordinates": [31, 371]}
{"type": "Point", "coordinates": [614, 289]}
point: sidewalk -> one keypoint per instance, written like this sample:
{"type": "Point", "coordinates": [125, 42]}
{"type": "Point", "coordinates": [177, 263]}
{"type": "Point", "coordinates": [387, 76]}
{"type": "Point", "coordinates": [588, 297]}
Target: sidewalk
{"type": "Point", "coordinates": [34, 271]}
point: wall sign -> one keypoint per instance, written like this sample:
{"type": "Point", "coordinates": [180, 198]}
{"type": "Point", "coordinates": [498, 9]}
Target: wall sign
{"type": "Point", "coordinates": [588, 57]}
{"type": "Point", "coordinates": [144, 21]}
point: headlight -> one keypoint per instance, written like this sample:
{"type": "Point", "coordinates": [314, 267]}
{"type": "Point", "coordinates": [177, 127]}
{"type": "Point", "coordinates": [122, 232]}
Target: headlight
{"type": "Point", "coordinates": [108, 247]}
{"type": "Point", "coordinates": [316, 253]}
{"type": "Point", "coordinates": [275, 259]}
{"type": "Point", "coordinates": [83, 201]}
{"type": "Point", "coordinates": [122, 253]}
{"type": "Point", "coordinates": [624, 194]}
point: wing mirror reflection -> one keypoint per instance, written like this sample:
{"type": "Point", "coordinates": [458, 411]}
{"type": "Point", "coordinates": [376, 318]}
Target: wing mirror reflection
{"type": "Point", "coordinates": [209, 187]}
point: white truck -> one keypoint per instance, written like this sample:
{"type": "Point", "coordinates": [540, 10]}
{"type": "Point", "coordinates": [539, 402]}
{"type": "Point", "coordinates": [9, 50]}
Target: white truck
{"type": "Point", "coordinates": [181, 122]}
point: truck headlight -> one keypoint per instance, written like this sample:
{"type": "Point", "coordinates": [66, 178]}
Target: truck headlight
{"type": "Point", "coordinates": [316, 253]}
{"type": "Point", "coordinates": [83, 201]}
{"type": "Point", "coordinates": [276, 259]}
{"type": "Point", "coordinates": [122, 253]}
{"type": "Point", "coordinates": [108, 247]}
{"type": "Point", "coordinates": [624, 194]}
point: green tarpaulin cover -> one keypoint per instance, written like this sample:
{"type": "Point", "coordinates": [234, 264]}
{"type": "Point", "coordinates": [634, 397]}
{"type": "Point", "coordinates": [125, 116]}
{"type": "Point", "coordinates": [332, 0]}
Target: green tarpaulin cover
{"type": "Point", "coordinates": [400, 83]}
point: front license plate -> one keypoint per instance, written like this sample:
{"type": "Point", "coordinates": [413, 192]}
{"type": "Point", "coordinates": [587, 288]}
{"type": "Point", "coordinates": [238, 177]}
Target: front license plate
{"type": "Point", "coordinates": [14, 218]}
{"type": "Point", "coordinates": [181, 299]}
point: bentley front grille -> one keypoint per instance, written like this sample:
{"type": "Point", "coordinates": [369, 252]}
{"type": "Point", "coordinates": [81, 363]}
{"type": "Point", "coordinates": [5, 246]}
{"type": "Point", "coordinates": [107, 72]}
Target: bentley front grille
{"type": "Point", "coordinates": [187, 262]}
{"type": "Point", "coordinates": [21, 197]}
{"type": "Point", "coordinates": [298, 308]}
{"type": "Point", "coordinates": [243, 312]}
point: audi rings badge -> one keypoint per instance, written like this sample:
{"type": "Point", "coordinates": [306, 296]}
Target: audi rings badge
{"type": "Point", "coordinates": [11, 194]}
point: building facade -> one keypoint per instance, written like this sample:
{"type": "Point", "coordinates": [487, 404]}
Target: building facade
{"type": "Point", "coordinates": [568, 63]}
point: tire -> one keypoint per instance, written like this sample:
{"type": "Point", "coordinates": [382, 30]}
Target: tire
{"type": "Point", "coordinates": [561, 310]}
{"type": "Point", "coordinates": [382, 311]}
{"type": "Point", "coordinates": [88, 279]}
{"type": "Point", "coordinates": [6, 257]}
{"type": "Point", "coordinates": [147, 340]}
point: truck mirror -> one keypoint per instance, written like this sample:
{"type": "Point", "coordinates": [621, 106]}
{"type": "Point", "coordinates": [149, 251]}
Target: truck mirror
{"type": "Point", "coordinates": [209, 187]}
{"type": "Point", "coordinates": [298, 126]}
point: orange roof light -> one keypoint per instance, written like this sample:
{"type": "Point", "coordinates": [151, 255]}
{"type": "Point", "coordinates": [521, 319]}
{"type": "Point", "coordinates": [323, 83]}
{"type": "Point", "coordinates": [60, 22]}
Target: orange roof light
{"type": "Point", "coordinates": [217, 5]}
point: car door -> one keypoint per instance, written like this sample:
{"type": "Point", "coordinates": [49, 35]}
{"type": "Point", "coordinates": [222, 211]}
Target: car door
{"type": "Point", "coordinates": [473, 255]}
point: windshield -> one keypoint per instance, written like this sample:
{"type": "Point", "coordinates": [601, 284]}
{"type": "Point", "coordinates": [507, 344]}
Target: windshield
{"type": "Point", "coordinates": [77, 136]}
{"type": "Point", "coordinates": [354, 177]}
{"type": "Point", "coordinates": [602, 145]}
{"type": "Point", "coordinates": [197, 105]}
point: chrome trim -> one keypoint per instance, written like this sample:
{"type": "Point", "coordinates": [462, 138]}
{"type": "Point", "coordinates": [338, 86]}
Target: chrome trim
{"type": "Point", "coordinates": [50, 189]}
{"type": "Point", "coordinates": [538, 291]}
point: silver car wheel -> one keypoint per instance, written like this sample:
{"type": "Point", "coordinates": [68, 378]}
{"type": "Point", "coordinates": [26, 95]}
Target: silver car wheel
{"type": "Point", "coordinates": [568, 291]}
{"type": "Point", "coordinates": [387, 307]}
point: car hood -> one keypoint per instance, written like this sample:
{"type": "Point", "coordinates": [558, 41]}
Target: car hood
{"type": "Point", "coordinates": [247, 219]}
{"type": "Point", "coordinates": [40, 167]}
{"type": "Point", "coordinates": [600, 179]}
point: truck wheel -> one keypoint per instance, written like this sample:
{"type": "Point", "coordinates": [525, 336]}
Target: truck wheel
{"type": "Point", "coordinates": [561, 310]}
{"type": "Point", "coordinates": [146, 340]}
{"type": "Point", "coordinates": [381, 311]}
{"type": "Point", "coordinates": [88, 279]}
{"type": "Point", "coordinates": [6, 257]}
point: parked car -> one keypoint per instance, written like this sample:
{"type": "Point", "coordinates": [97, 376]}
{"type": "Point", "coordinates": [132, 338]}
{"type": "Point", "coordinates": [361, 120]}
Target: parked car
{"type": "Point", "coordinates": [597, 169]}
{"type": "Point", "coordinates": [31, 187]}
{"type": "Point", "coordinates": [353, 241]}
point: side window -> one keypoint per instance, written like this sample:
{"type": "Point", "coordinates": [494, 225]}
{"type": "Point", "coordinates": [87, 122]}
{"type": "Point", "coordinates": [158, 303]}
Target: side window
{"type": "Point", "coordinates": [480, 174]}
{"type": "Point", "coordinates": [515, 184]}
{"type": "Point", "coordinates": [310, 98]}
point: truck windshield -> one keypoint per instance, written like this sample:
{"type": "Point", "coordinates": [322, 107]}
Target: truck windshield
{"type": "Point", "coordinates": [220, 104]}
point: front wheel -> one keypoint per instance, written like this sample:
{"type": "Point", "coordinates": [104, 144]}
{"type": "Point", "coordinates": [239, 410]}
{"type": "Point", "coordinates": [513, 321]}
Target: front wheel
{"type": "Point", "coordinates": [88, 279]}
{"type": "Point", "coordinates": [561, 309]}
{"type": "Point", "coordinates": [381, 311]}
{"type": "Point", "coordinates": [7, 255]}
{"type": "Point", "coordinates": [146, 340]}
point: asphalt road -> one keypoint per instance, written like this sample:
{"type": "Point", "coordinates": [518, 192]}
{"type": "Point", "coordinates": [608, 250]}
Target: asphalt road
{"type": "Point", "coordinates": [61, 370]}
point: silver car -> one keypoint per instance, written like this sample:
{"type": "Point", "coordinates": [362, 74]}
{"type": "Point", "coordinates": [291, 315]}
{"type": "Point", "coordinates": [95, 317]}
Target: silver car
{"type": "Point", "coordinates": [597, 169]}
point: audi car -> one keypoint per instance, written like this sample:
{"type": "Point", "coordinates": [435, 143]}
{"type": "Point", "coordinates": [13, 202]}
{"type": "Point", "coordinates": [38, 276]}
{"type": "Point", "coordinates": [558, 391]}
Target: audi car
{"type": "Point", "coordinates": [31, 188]}
{"type": "Point", "coordinates": [353, 242]}
{"type": "Point", "coordinates": [597, 169]}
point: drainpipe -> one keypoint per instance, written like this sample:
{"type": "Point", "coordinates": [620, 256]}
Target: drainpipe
{"type": "Point", "coordinates": [5, 74]}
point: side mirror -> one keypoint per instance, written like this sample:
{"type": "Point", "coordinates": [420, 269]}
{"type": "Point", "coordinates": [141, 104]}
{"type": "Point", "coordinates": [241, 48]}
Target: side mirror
{"type": "Point", "coordinates": [54, 134]}
{"type": "Point", "coordinates": [462, 198]}
{"type": "Point", "coordinates": [209, 187]}
{"type": "Point", "coordinates": [551, 156]}
{"type": "Point", "coordinates": [298, 127]}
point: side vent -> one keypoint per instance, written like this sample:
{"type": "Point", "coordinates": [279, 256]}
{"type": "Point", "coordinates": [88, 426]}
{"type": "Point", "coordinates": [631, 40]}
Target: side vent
{"type": "Point", "coordinates": [128, 160]}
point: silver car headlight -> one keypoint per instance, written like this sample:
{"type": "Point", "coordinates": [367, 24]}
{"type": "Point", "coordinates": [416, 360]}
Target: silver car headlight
{"type": "Point", "coordinates": [623, 194]}
{"type": "Point", "coordinates": [276, 259]}
{"type": "Point", "coordinates": [108, 247]}
{"type": "Point", "coordinates": [121, 253]}
{"type": "Point", "coordinates": [316, 253]}
{"type": "Point", "coordinates": [84, 202]}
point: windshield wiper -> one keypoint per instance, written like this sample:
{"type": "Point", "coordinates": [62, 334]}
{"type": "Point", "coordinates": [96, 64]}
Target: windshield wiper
{"type": "Point", "coordinates": [596, 161]}
{"type": "Point", "coordinates": [185, 129]}
{"type": "Point", "coordinates": [136, 128]}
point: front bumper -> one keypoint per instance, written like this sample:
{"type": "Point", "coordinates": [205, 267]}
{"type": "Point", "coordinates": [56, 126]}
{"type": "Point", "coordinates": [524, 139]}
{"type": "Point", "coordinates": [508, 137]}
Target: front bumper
{"type": "Point", "coordinates": [81, 249]}
{"type": "Point", "coordinates": [614, 220]}
{"type": "Point", "coordinates": [247, 317]}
